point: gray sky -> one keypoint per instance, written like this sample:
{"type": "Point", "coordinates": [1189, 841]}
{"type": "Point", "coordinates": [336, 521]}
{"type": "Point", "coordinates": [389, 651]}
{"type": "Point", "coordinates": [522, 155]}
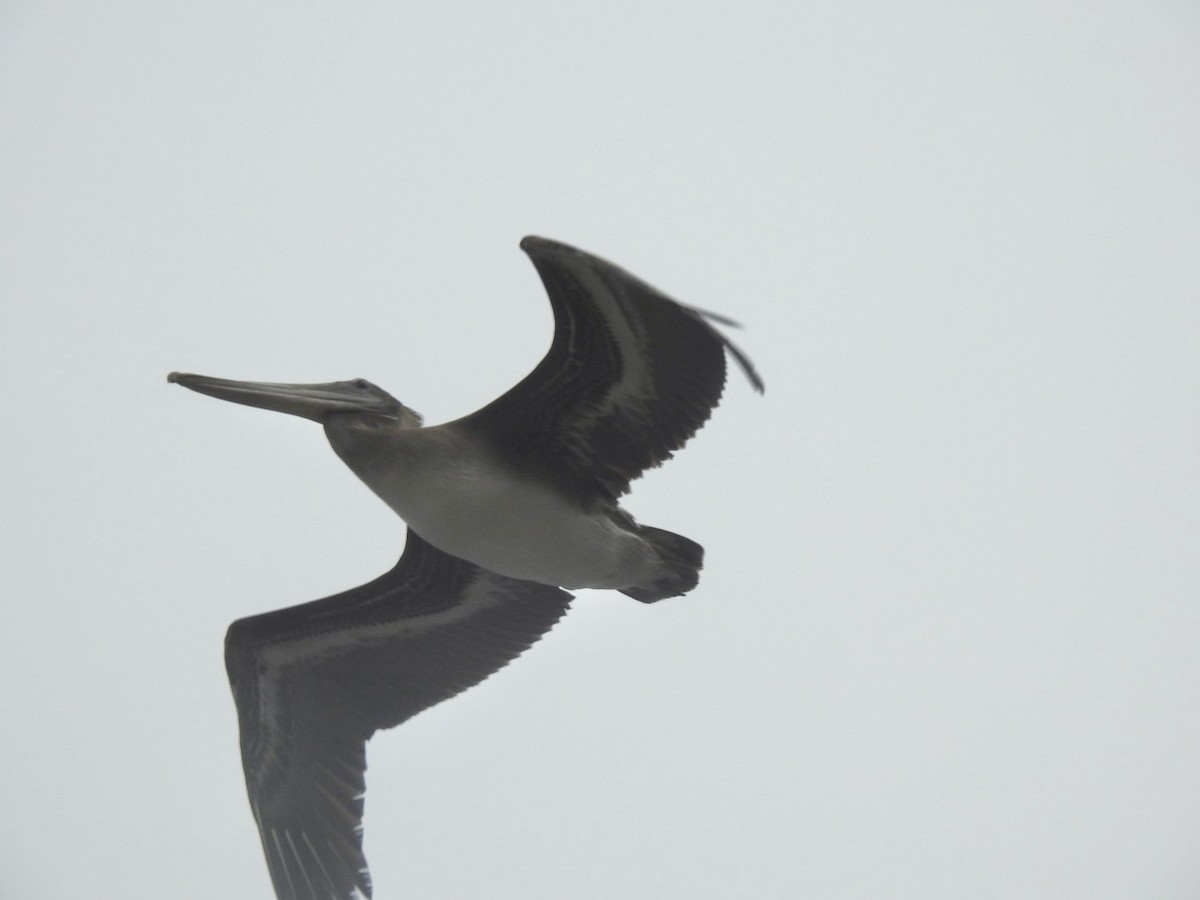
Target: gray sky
{"type": "Point", "coordinates": [947, 643]}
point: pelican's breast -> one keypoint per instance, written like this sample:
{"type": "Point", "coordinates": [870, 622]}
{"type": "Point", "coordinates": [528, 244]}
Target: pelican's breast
{"type": "Point", "coordinates": [455, 493]}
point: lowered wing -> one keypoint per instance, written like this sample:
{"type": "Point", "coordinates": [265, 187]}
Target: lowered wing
{"type": "Point", "coordinates": [313, 682]}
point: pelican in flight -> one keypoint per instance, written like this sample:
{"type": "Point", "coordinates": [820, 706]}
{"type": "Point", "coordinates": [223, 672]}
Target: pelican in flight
{"type": "Point", "coordinates": [505, 507]}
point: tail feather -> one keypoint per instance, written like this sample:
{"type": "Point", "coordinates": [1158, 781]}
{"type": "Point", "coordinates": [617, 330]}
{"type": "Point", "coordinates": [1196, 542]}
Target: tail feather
{"type": "Point", "coordinates": [682, 558]}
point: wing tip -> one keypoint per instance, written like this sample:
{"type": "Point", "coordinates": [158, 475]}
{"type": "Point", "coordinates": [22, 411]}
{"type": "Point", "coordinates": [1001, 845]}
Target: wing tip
{"type": "Point", "coordinates": [747, 367]}
{"type": "Point", "coordinates": [739, 356]}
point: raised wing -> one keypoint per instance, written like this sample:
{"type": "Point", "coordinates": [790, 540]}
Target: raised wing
{"type": "Point", "coordinates": [630, 376]}
{"type": "Point", "coordinates": [313, 682]}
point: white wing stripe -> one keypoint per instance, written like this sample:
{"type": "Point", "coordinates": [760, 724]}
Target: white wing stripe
{"type": "Point", "coordinates": [317, 857]}
{"type": "Point", "coordinates": [312, 891]}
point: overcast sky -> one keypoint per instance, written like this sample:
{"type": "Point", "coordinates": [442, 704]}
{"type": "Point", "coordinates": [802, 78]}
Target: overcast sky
{"type": "Point", "coordinates": [947, 642]}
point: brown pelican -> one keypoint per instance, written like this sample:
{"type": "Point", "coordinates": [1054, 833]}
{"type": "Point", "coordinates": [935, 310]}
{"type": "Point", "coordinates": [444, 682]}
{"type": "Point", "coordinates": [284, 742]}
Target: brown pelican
{"type": "Point", "coordinates": [505, 508]}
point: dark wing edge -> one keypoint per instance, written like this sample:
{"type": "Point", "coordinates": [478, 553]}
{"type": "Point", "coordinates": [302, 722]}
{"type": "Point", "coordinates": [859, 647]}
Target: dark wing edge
{"type": "Point", "coordinates": [313, 682]}
{"type": "Point", "coordinates": [630, 376]}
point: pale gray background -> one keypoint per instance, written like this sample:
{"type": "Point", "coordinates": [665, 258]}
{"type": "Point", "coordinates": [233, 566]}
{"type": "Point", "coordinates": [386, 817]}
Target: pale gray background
{"type": "Point", "coordinates": [947, 644]}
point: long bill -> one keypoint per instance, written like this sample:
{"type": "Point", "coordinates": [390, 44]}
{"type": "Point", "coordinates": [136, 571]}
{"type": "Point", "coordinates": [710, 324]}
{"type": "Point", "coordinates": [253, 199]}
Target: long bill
{"type": "Point", "coordinates": [312, 401]}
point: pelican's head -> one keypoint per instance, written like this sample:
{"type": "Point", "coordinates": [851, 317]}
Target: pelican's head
{"type": "Point", "coordinates": [339, 405]}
